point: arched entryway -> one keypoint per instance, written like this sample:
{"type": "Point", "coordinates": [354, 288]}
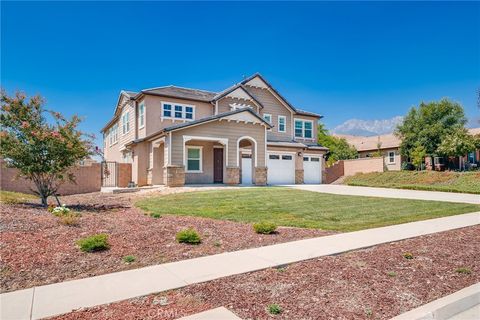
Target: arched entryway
{"type": "Point", "coordinates": [247, 159]}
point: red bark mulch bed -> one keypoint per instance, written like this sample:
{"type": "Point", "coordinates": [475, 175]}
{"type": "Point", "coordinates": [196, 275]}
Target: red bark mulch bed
{"type": "Point", "coordinates": [36, 249]}
{"type": "Point", "coordinates": [374, 283]}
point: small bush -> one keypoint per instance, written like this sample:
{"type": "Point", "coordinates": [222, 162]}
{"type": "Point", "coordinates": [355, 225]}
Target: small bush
{"type": "Point", "coordinates": [392, 274]}
{"type": "Point", "coordinates": [129, 259]}
{"type": "Point", "coordinates": [189, 236]}
{"type": "Point", "coordinates": [94, 243]}
{"type": "Point", "coordinates": [217, 244]}
{"type": "Point", "coordinates": [463, 271]}
{"type": "Point", "coordinates": [274, 309]}
{"type": "Point", "coordinates": [155, 215]}
{"type": "Point", "coordinates": [408, 255]}
{"type": "Point", "coordinates": [69, 219]}
{"type": "Point", "coordinates": [60, 211]}
{"type": "Point", "coordinates": [264, 227]}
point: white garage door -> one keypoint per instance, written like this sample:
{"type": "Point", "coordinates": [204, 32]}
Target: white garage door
{"type": "Point", "coordinates": [312, 169]}
{"type": "Point", "coordinates": [281, 168]}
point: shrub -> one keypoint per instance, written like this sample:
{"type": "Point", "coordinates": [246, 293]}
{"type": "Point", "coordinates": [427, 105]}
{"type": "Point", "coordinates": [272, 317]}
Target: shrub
{"type": "Point", "coordinates": [463, 271]}
{"type": "Point", "coordinates": [60, 211]}
{"type": "Point", "coordinates": [188, 236]}
{"type": "Point", "coordinates": [408, 255]}
{"type": "Point", "coordinates": [97, 242]}
{"type": "Point", "coordinates": [69, 219]}
{"type": "Point", "coordinates": [264, 227]}
{"type": "Point", "coordinates": [274, 309]}
{"type": "Point", "coordinates": [156, 215]}
{"type": "Point", "coordinates": [392, 274]}
{"type": "Point", "coordinates": [129, 259]}
{"type": "Point", "coordinates": [408, 166]}
{"type": "Point", "coordinates": [217, 244]}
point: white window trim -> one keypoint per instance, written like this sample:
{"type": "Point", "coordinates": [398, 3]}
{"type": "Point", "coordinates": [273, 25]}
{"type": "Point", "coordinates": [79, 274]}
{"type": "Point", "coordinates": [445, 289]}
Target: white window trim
{"type": "Point", "coordinates": [201, 159]}
{"type": "Point", "coordinates": [303, 129]}
{"type": "Point", "coordinates": [389, 159]}
{"type": "Point", "coordinates": [284, 124]}
{"type": "Point", "coordinates": [141, 115]}
{"type": "Point", "coordinates": [172, 111]}
{"type": "Point", "coordinates": [125, 124]}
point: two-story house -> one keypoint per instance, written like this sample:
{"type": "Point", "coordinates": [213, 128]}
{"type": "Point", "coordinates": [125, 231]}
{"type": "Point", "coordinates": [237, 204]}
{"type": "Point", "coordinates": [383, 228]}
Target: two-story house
{"type": "Point", "coordinates": [246, 134]}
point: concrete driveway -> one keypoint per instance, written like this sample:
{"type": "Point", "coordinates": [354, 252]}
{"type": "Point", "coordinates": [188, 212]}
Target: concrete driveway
{"type": "Point", "coordinates": [390, 193]}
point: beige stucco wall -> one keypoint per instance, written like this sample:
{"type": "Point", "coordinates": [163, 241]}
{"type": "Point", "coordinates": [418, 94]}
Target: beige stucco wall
{"type": "Point", "coordinates": [396, 166]}
{"type": "Point", "coordinates": [221, 129]}
{"type": "Point", "coordinates": [141, 154]}
{"type": "Point", "coordinates": [363, 165]}
{"type": "Point", "coordinates": [153, 113]}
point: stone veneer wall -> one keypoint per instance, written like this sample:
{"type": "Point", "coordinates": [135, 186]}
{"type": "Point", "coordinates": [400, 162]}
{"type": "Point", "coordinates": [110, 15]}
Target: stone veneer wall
{"type": "Point", "coordinates": [233, 175]}
{"type": "Point", "coordinates": [174, 176]}
{"type": "Point", "coordinates": [299, 176]}
{"type": "Point", "coordinates": [261, 176]}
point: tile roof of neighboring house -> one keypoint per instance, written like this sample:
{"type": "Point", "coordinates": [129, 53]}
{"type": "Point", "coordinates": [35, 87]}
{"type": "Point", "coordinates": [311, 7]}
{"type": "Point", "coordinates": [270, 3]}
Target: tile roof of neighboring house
{"type": "Point", "coordinates": [183, 93]}
{"type": "Point", "coordinates": [474, 131]}
{"type": "Point", "coordinates": [362, 143]}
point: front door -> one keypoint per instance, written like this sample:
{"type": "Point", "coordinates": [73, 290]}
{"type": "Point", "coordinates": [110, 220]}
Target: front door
{"type": "Point", "coordinates": [218, 165]}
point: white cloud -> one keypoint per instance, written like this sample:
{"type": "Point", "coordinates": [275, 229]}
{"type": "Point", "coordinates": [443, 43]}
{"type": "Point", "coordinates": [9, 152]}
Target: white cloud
{"type": "Point", "coordinates": [367, 127]}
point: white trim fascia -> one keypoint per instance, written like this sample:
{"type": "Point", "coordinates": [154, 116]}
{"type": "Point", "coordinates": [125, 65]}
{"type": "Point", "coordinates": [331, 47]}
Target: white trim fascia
{"type": "Point", "coordinates": [238, 148]}
{"type": "Point", "coordinates": [281, 152]}
{"type": "Point", "coordinates": [185, 159]}
{"type": "Point", "coordinates": [169, 148]}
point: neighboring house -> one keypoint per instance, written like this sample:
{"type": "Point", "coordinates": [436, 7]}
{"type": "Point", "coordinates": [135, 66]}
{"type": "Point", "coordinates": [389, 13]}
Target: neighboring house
{"type": "Point", "coordinates": [387, 144]}
{"type": "Point", "coordinates": [248, 133]}
{"type": "Point", "coordinates": [389, 147]}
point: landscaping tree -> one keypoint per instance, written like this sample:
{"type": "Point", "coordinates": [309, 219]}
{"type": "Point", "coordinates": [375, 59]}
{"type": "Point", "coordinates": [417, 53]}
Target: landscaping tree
{"type": "Point", "coordinates": [417, 155]}
{"type": "Point", "coordinates": [428, 125]}
{"type": "Point", "coordinates": [43, 152]}
{"type": "Point", "coordinates": [339, 147]}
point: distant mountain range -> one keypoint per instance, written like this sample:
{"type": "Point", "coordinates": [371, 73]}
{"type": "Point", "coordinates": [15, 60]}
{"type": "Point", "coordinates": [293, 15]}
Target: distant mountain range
{"type": "Point", "coordinates": [357, 127]}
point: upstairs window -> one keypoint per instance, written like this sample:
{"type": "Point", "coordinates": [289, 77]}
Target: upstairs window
{"type": "Point", "coordinates": [141, 115]}
{"type": "Point", "coordinates": [126, 122]}
{"type": "Point", "coordinates": [267, 117]}
{"type": "Point", "coordinates": [282, 120]}
{"type": "Point", "coordinates": [178, 111]}
{"type": "Point", "coordinates": [167, 110]}
{"type": "Point", "coordinates": [303, 129]}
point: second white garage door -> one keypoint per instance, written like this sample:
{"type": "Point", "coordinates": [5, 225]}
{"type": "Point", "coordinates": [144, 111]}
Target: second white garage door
{"type": "Point", "coordinates": [312, 169]}
{"type": "Point", "coordinates": [281, 168]}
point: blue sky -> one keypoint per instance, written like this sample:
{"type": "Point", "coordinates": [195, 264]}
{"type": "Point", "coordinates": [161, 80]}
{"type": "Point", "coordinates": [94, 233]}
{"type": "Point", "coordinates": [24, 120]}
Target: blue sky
{"type": "Point", "coordinates": [343, 60]}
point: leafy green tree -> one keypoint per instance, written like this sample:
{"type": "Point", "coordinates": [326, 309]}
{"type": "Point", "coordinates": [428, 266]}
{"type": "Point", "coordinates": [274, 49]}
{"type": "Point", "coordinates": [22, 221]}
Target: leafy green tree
{"type": "Point", "coordinates": [428, 125]}
{"type": "Point", "coordinates": [458, 143]}
{"type": "Point", "coordinates": [339, 147]}
{"type": "Point", "coordinates": [418, 155]}
{"type": "Point", "coordinates": [43, 152]}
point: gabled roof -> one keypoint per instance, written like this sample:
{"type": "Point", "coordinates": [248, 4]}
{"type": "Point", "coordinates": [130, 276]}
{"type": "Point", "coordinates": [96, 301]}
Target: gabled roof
{"type": "Point", "coordinates": [216, 117]}
{"type": "Point", "coordinates": [182, 93]}
{"type": "Point", "coordinates": [285, 101]}
{"type": "Point", "coordinates": [201, 121]}
{"type": "Point", "coordinates": [231, 89]}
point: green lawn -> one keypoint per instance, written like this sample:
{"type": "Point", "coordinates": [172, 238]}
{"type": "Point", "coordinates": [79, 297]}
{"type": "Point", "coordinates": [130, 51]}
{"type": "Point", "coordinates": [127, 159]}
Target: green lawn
{"type": "Point", "coordinates": [15, 197]}
{"type": "Point", "coordinates": [465, 182]}
{"type": "Point", "coordinates": [288, 207]}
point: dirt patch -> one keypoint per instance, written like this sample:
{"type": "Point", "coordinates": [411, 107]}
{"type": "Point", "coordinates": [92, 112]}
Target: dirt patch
{"type": "Point", "coordinates": [37, 249]}
{"type": "Point", "coordinates": [375, 283]}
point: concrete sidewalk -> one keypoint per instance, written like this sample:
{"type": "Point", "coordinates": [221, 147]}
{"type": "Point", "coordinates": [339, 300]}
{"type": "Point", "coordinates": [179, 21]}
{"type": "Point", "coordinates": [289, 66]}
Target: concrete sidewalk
{"type": "Point", "coordinates": [59, 298]}
{"type": "Point", "coordinates": [390, 193]}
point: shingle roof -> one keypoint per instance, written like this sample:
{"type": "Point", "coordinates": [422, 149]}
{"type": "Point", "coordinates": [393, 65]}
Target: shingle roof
{"type": "Point", "coordinates": [295, 144]}
{"type": "Point", "coordinates": [308, 113]}
{"type": "Point", "coordinates": [183, 93]}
